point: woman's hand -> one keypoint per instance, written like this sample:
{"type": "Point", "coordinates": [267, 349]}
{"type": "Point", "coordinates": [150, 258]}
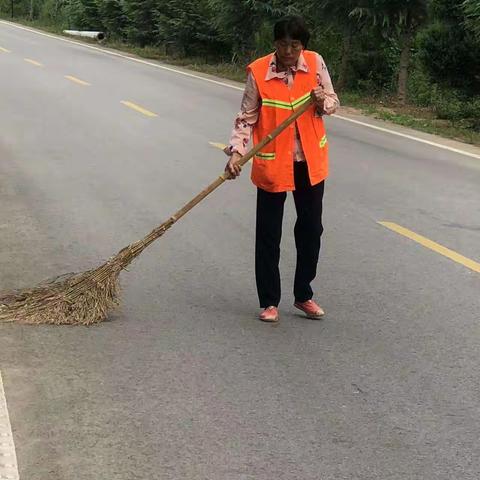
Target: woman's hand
{"type": "Point", "coordinates": [232, 167]}
{"type": "Point", "coordinates": [318, 95]}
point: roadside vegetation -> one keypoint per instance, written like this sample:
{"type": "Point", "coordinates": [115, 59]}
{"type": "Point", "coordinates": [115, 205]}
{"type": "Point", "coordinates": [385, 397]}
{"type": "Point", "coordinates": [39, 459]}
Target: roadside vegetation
{"type": "Point", "coordinates": [412, 62]}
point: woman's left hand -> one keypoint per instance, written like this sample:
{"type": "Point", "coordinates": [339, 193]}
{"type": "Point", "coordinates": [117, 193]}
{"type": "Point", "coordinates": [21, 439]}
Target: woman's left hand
{"type": "Point", "coordinates": [318, 94]}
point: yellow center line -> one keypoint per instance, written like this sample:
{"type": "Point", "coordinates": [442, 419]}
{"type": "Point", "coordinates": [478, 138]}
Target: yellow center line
{"type": "Point", "coordinates": [222, 146]}
{"type": "Point", "coordinates": [138, 108]}
{"type": "Point", "coordinates": [33, 62]}
{"type": "Point", "coordinates": [4, 50]}
{"type": "Point", "coordinates": [436, 247]}
{"type": "Point", "coordinates": [77, 80]}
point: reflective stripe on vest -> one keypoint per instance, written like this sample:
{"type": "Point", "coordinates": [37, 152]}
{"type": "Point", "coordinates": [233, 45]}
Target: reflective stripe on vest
{"type": "Point", "coordinates": [269, 102]}
{"type": "Point", "coordinates": [266, 156]}
{"type": "Point", "coordinates": [323, 141]}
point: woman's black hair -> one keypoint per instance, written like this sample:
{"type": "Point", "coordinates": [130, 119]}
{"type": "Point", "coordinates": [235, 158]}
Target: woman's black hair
{"type": "Point", "coordinates": [293, 27]}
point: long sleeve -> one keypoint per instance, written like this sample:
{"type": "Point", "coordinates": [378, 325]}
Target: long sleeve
{"type": "Point", "coordinates": [245, 119]}
{"type": "Point", "coordinates": [323, 78]}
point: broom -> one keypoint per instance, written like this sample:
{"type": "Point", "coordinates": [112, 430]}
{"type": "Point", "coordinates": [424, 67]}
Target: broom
{"type": "Point", "coordinates": [86, 298]}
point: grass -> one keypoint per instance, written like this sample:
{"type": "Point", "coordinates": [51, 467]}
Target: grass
{"type": "Point", "coordinates": [230, 71]}
{"type": "Point", "coordinates": [422, 119]}
{"type": "Point", "coordinates": [383, 108]}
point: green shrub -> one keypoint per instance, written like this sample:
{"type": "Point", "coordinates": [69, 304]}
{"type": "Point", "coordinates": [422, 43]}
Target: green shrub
{"type": "Point", "coordinates": [456, 107]}
{"type": "Point", "coordinates": [450, 56]}
{"type": "Point", "coordinates": [420, 87]}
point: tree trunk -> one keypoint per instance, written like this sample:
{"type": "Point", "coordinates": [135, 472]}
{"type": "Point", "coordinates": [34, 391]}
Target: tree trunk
{"type": "Point", "coordinates": [343, 71]}
{"type": "Point", "coordinates": [31, 10]}
{"type": "Point", "coordinates": [407, 41]}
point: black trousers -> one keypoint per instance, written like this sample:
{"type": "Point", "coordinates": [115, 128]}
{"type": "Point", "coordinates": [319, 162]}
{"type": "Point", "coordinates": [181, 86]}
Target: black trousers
{"type": "Point", "coordinates": [308, 231]}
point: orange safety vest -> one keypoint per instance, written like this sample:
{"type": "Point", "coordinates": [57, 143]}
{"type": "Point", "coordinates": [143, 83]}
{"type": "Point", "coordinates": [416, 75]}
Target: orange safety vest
{"type": "Point", "coordinates": [273, 166]}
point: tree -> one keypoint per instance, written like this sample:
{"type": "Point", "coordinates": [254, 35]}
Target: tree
{"type": "Point", "coordinates": [83, 14]}
{"type": "Point", "coordinates": [188, 26]}
{"type": "Point", "coordinates": [113, 17]}
{"type": "Point", "coordinates": [338, 12]}
{"type": "Point", "coordinates": [75, 14]}
{"type": "Point", "coordinates": [52, 11]}
{"type": "Point", "coordinates": [472, 13]}
{"type": "Point", "coordinates": [142, 14]}
{"type": "Point", "coordinates": [401, 18]}
{"type": "Point", "coordinates": [448, 49]}
{"type": "Point", "coordinates": [238, 22]}
{"type": "Point", "coordinates": [93, 20]}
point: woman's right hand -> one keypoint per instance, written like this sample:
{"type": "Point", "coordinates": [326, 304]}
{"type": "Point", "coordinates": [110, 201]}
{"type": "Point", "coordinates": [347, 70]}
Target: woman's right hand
{"type": "Point", "coordinates": [232, 167]}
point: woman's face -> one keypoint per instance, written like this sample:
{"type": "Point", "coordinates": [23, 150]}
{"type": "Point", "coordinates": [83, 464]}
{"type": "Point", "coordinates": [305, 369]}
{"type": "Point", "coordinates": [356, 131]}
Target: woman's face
{"type": "Point", "coordinates": [288, 51]}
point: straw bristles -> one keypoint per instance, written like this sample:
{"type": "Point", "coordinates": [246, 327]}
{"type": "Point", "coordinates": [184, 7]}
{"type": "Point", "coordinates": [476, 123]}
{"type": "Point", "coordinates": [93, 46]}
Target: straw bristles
{"type": "Point", "coordinates": [75, 299]}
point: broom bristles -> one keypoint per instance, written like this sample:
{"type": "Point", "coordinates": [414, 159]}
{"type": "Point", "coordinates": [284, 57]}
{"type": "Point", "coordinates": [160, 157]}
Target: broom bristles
{"type": "Point", "coordinates": [73, 299]}
{"type": "Point", "coordinates": [76, 299]}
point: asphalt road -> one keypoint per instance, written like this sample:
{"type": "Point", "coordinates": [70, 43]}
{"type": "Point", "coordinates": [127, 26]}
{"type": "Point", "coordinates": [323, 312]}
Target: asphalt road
{"type": "Point", "coordinates": [183, 382]}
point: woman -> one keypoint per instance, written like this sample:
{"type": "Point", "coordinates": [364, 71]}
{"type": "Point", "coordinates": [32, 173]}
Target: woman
{"type": "Point", "coordinates": [296, 161]}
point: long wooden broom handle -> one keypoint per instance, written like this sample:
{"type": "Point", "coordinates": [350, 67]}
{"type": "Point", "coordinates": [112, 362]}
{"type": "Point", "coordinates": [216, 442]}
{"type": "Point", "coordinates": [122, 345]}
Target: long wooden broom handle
{"type": "Point", "coordinates": [138, 247]}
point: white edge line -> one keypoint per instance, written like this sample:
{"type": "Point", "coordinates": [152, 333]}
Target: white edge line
{"type": "Point", "coordinates": [8, 457]}
{"type": "Point", "coordinates": [410, 137]}
{"type": "Point", "coordinates": [234, 87]}
{"type": "Point", "coordinates": [115, 54]}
